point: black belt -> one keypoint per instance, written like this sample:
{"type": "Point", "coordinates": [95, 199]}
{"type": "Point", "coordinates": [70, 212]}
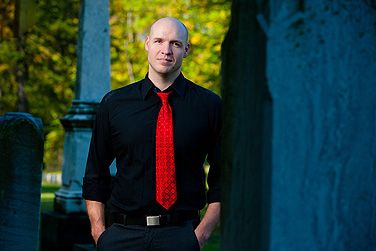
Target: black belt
{"type": "Point", "coordinates": [154, 220]}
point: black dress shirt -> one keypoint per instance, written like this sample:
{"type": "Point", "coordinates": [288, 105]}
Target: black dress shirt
{"type": "Point", "coordinates": [125, 128]}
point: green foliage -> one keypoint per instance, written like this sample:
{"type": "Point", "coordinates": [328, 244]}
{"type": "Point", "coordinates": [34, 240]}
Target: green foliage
{"type": "Point", "coordinates": [48, 53]}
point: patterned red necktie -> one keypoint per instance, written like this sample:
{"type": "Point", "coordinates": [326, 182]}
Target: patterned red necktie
{"type": "Point", "coordinates": [165, 162]}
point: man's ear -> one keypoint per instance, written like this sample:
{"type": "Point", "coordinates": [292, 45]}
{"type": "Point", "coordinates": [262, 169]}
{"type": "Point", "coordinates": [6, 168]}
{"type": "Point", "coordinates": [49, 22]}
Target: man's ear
{"type": "Point", "coordinates": [147, 41]}
{"type": "Point", "coordinates": [186, 50]}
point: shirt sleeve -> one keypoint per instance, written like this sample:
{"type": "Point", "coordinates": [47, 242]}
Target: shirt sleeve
{"type": "Point", "coordinates": [97, 178]}
{"type": "Point", "coordinates": [214, 154]}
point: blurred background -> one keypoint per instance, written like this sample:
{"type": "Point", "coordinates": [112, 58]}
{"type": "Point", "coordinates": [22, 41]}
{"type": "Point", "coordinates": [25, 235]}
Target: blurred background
{"type": "Point", "coordinates": [38, 54]}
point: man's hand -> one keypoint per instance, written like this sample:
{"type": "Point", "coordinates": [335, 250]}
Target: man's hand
{"type": "Point", "coordinates": [208, 223]}
{"type": "Point", "coordinates": [96, 232]}
{"type": "Point", "coordinates": [95, 211]}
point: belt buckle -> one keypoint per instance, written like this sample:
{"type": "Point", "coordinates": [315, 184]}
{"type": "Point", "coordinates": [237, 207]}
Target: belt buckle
{"type": "Point", "coordinates": [153, 220]}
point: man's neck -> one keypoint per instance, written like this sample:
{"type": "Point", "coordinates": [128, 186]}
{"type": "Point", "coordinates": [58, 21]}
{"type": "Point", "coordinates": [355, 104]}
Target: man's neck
{"type": "Point", "coordinates": [162, 82]}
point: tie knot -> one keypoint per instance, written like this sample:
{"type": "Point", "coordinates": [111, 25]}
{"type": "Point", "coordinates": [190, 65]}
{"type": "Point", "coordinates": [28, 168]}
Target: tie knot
{"type": "Point", "coordinates": [164, 96]}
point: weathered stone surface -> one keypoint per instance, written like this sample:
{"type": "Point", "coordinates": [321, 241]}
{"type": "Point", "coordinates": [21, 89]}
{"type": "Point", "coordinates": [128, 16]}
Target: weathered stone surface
{"type": "Point", "coordinates": [21, 158]}
{"type": "Point", "coordinates": [321, 68]}
{"type": "Point", "coordinates": [318, 192]}
{"type": "Point", "coordinates": [93, 66]}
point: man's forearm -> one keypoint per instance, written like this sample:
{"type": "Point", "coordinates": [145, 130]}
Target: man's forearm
{"type": "Point", "coordinates": [208, 222]}
{"type": "Point", "coordinates": [95, 211]}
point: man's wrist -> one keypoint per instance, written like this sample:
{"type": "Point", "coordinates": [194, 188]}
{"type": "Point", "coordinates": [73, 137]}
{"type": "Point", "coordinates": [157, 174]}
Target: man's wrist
{"type": "Point", "coordinates": [97, 231]}
{"type": "Point", "coordinates": [202, 235]}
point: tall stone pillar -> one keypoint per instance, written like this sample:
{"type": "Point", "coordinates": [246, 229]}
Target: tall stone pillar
{"type": "Point", "coordinates": [68, 224]}
{"type": "Point", "coordinates": [299, 163]}
{"type": "Point", "coordinates": [93, 81]}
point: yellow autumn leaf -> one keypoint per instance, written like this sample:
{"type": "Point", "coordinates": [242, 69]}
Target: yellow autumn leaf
{"type": "Point", "coordinates": [195, 39]}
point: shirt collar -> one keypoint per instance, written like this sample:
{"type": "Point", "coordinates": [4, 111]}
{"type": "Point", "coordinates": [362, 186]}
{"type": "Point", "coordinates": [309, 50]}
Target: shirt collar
{"type": "Point", "coordinates": [178, 86]}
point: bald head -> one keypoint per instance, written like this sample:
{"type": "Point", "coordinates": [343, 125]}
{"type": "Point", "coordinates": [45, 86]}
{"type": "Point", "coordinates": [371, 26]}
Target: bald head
{"type": "Point", "coordinates": [170, 23]}
{"type": "Point", "coordinates": [167, 45]}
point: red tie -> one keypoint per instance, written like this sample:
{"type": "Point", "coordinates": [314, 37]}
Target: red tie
{"type": "Point", "coordinates": [165, 161]}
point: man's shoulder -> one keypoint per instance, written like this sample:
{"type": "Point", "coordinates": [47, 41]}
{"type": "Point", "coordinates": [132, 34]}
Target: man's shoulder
{"type": "Point", "coordinates": [202, 92]}
{"type": "Point", "coordinates": [127, 91]}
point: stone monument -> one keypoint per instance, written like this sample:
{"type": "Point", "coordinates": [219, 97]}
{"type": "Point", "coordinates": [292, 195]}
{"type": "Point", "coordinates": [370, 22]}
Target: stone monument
{"type": "Point", "coordinates": [299, 137]}
{"type": "Point", "coordinates": [21, 160]}
{"type": "Point", "coordinates": [68, 224]}
{"type": "Point", "coordinates": [93, 81]}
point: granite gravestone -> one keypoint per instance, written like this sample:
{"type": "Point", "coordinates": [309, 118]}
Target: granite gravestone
{"type": "Point", "coordinates": [21, 159]}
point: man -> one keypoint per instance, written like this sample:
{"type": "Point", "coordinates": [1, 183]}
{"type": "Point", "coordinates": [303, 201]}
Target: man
{"type": "Point", "coordinates": [160, 130]}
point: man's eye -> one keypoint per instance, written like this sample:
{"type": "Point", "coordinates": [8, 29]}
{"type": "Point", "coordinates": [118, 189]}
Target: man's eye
{"type": "Point", "coordinates": [177, 44]}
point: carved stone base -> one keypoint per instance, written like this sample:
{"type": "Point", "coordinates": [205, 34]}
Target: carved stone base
{"type": "Point", "coordinates": [60, 232]}
{"type": "Point", "coordinates": [69, 202]}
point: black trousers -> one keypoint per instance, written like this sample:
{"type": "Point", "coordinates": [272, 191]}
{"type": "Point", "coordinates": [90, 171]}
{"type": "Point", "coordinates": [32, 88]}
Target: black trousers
{"type": "Point", "coordinates": [120, 237]}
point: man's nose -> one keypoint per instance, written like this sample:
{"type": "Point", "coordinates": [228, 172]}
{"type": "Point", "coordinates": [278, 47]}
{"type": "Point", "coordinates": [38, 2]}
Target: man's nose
{"type": "Point", "coordinates": [166, 49]}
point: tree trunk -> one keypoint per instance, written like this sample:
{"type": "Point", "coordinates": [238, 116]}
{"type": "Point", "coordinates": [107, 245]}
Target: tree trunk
{"type": "Point", "coordinates": [21, 69]}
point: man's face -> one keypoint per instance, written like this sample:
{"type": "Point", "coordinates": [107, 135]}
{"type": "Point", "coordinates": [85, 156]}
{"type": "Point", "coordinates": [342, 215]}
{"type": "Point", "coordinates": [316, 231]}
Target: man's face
{"type": "Point", "coordinates": [166, 46]}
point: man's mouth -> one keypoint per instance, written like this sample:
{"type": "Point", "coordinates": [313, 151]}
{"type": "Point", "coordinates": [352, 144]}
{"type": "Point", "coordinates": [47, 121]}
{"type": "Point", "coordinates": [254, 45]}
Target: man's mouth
{"type": "Point", "coordinates": [164, 61]}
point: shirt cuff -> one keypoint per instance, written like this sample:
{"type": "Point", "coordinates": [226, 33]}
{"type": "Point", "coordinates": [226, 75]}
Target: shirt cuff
{"type": "Point", "coordinates": [93, 189]}
{"type": "Point", "coordinates": [213, 196]}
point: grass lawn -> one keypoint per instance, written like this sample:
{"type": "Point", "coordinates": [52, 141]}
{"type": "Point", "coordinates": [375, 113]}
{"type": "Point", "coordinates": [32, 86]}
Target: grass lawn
{"type": "Point", "coordinates": [47, 200]}
{"type": "Point", "coordinates": [213, 242]}
{"type": "Point", "coordinates": [47, 196]}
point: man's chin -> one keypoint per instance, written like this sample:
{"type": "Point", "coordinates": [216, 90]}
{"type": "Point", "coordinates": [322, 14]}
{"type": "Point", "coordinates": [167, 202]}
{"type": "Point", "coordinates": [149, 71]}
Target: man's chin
{"type": "Point", "coordinates": [165, 68]}
{"type": "Point", "coordinates": [166, 71]}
